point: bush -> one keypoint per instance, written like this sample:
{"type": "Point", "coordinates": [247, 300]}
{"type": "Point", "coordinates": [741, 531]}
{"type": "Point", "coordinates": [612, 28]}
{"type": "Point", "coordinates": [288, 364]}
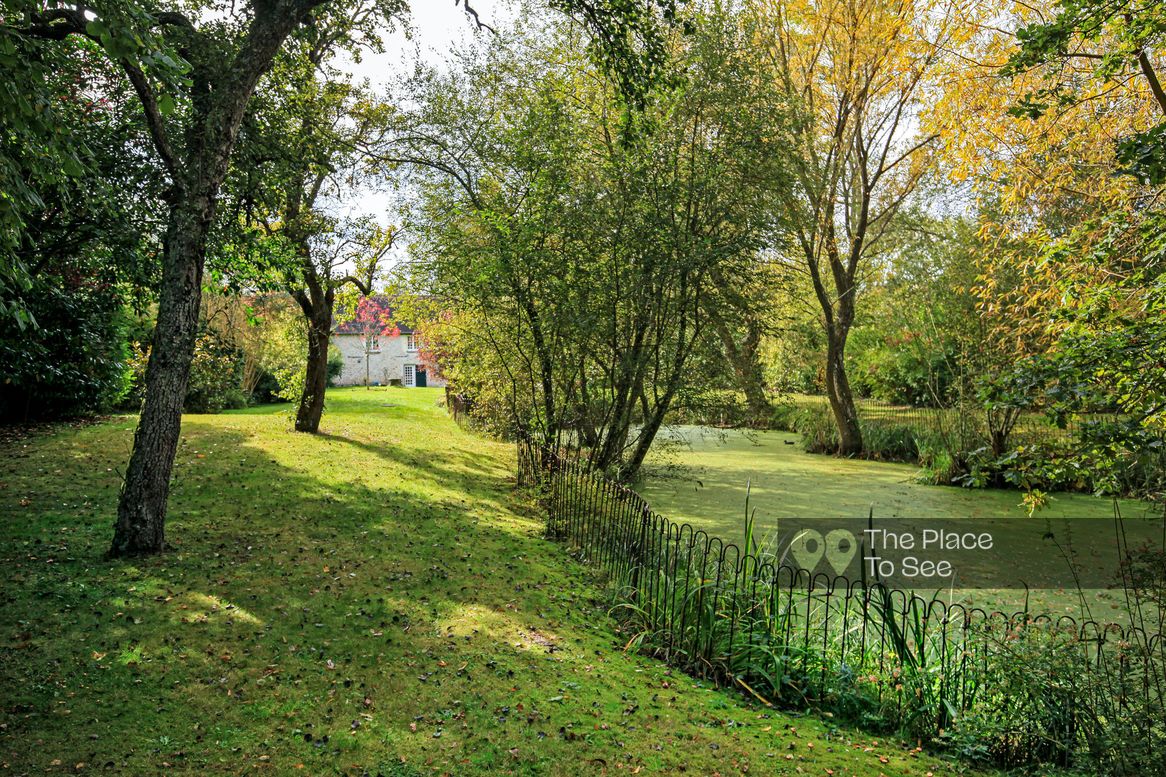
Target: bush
{"type": "Point", "coordinates": [784, 417]}
{"type": "Point", "coordinates": [266, 390]}
{"type": "Point", "coordinates": [1052, 701]}
{"type": "Point", "coordinates": [73, 362]}
{"type": "Point", "coordinates": [216, 373]}
{"type": "Point", "coordinates": [817, 428]}
{"type": "Point", "coordinates": [888, 442]}
{"type": "Point", "coordinates": [881, 440]}
{"type": "Point", "coordinates": [942, 464]}
{"type": "Point", "coordinates": [234, 399]}
{"type": "Point", "coordinates": [335, 365]}
{"type": "Point", "coordinates": [892, 372]}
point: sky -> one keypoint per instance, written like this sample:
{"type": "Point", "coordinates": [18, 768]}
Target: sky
{"type": "Point", "coordinates": [438, 27]}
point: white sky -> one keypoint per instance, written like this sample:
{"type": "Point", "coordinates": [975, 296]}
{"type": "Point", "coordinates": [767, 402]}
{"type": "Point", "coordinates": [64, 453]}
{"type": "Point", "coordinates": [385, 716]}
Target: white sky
{"type": "Point", "coordinates": [438, 28]}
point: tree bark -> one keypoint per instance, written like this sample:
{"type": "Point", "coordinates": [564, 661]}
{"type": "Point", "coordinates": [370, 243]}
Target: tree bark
{"type": "Point", "coordinates": [141, 511]}
{"type": "Point", "coordinates": [647, 435]}
{"type": "Point", "coordinates": [217, 108]}
{"type": "Point", "coordinates": [743, 358]}
{"type": "Point", "coordinates": [840, 395]}
{"type": "Point", "coordinates": [316, 378]}
{"type": "Point", "coordinates": [655, 419]}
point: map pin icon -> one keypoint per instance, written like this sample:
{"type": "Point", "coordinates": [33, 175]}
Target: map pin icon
{"type": "Point", "coordinates": [808, 548]}
{"type": "Point", "coordinates": [840, 549]}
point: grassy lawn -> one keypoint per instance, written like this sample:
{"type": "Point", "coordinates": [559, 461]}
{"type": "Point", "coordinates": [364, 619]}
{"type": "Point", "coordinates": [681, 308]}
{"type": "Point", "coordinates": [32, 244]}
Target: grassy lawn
{"type": "Point", "coordinates": [373, 599]}
{"type": "Point", "coordinates": [701, 479]}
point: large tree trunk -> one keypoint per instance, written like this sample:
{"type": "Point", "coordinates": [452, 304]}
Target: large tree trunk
{"type": "Point", "coordinates": [141, 511]}
{"type": "Point", "coordinates": [841, 397]}
{"type": "Point", "coordinates": [316, 377]}
{"type": "Point", "coordinates": [217, 108]}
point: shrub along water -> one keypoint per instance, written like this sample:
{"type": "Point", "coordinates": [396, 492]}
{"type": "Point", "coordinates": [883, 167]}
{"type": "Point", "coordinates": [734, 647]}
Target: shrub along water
{"type": "Point", "coordinates": [1098, 455]}
{"type": "Point", "coordinates": [1010, 688]}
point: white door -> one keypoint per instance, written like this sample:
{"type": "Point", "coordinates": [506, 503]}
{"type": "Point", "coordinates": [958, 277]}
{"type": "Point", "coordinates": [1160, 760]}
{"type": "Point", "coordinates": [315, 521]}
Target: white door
{"type": "Point", "coordinates": [410, 375]}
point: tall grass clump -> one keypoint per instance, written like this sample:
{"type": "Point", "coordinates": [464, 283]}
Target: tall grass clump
{"type": "Point", "coordinates": [940, 462]}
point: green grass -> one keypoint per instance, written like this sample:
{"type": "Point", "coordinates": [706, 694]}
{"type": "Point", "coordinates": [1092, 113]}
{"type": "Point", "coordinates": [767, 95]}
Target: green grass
{"type": "Point", "coordinates": [701, 479]}
{"type": "Point", "coordinates": [373, 599]}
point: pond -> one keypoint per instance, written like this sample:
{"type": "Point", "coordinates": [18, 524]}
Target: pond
{"type": "Point", "coordinates": [699, 475]}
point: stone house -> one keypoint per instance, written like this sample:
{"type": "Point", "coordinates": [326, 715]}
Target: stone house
{"type": "Point", "coordinates": [373, 359]}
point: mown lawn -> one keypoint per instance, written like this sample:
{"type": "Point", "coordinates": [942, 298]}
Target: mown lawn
{"type": "Point", "coordinates": [374, 599]}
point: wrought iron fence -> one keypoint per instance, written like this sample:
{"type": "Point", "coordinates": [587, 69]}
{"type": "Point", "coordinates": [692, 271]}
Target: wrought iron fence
{"type": "Point", "coordinates": [884, 657]}
{"type": "Point", "coordinates": [458, 406]}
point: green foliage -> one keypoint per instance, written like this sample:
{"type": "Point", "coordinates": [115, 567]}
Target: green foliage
{"type": "Point", "coordinates": [581, 262]}
{"type": "Point", "coordinates": [1109, 357]}
{"type": "Point", "coordinates": [283, 359]}
{"type": "Point", "coordinates": [815, 423]}
{"type": "Point", "coordinates": [941, 465]}
{"type": "Point", "coordinates": [1118, 38]}
{"type": "Point", "coordinates": [1051, 695]}
{"type": "Point", "coordinates": [65, 130]}
{"type": "Point", "coordinates": [335, 365]}
{"type": "Point", "coordinates": [216, 372]}
{"type": "Point", "coordinates": [914, 342]}
{"type": "Point", "coordinates": [630, 42]}
{"type": "Point", "coordinates": [893, 368]}
{"type": "Point", "coordinates": [285, 354]}
{"type": "Point", "coordinates": [784, 416]}
{"type": "Point", "coordinates": [816, 426]}
{"type": "Point", "coordinates": [890, 441]}
{"type": "Point", "coordinates": [795, 355]}
{"type": "Point", "coordinates": [74, 361]}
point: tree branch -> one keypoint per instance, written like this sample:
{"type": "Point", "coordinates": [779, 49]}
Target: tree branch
{"type": "Point", "coordinates": [60, 23]}
{"type": "Point", "coordinates": [365, 288]}
{"type": "Point", "coordinates": [469, 10]}
{"type": "Point", "coordinates": [154, 120]}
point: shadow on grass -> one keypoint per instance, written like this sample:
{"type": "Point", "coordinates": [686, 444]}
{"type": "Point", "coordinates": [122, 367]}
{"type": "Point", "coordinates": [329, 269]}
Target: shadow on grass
{"type": "Point", "coordinates": [294, 603]}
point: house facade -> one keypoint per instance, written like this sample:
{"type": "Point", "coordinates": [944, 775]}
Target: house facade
{"type": "Point", "coordinates": [381, 359]}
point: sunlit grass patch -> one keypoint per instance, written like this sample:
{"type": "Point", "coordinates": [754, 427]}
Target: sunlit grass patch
{"type": "Point", "coordinates": [371, 599]}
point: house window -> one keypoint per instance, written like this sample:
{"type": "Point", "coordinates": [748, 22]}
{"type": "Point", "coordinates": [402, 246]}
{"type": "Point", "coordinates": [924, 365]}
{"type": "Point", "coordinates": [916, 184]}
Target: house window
{"type": "Point", "coordinates": [413, 341]}
{"type": "Point", "coordinates": [410, 375]}
{"type": "Point", "coordinates": [374, 343]}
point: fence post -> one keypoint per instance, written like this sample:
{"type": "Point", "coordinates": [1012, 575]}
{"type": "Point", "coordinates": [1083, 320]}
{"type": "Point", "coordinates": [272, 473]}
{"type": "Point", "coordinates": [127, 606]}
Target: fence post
{"type": "Point", "coordinates": [637, 553]}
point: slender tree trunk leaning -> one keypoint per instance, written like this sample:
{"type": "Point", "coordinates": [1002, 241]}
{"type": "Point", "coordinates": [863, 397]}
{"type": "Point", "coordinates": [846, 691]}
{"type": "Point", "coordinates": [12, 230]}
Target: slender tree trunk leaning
{"type": "Point", "coordinates": [655, 419]}
{"type": "Point", "coordinates": [841, 397]}
{"type": "Point", "coordinates": [672, 380]}
{"type": "Point", "coordinates": [647, 434]}
{"type": "Point", "coordinates": [837, 304]}
{"type": "Point", "coordinates": [316, 378]}
{"type": "Point", "coordinates": [142, 508]}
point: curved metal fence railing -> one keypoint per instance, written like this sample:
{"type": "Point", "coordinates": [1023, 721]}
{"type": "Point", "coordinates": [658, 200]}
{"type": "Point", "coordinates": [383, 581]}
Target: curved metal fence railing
{"type": "Point", "coordinates": [1051, 686]}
